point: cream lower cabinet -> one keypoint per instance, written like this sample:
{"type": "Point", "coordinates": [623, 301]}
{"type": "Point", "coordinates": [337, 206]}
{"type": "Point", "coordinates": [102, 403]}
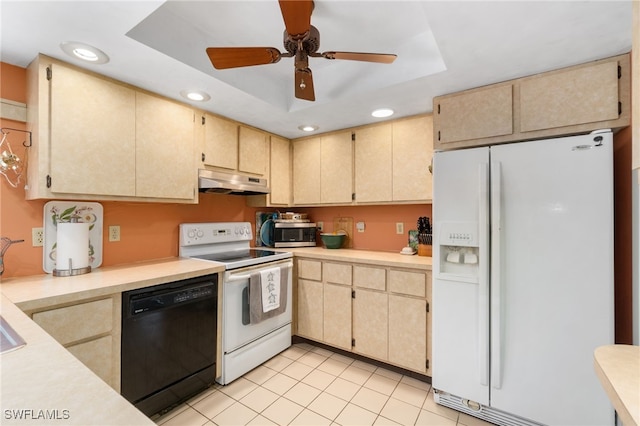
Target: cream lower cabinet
{"type": "Point", "coordinates": [378, 312]}
{"type": "Point", "coordinates": [90, 330]}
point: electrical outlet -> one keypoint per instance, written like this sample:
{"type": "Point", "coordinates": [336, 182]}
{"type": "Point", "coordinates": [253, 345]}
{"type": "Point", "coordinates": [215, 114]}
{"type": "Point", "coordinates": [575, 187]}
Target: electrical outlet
{"type": "Point", "coordinates": [37, 237]}
{"type": "Point", "coordinates": [399, 228]}
{"type": "Point", "coordinates": [114, 233]}
{"type": "Point", "coordinates": [320, 226]}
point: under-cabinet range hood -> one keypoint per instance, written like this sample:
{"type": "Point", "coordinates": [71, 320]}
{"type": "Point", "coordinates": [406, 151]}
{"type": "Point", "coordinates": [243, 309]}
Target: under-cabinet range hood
{"type": "Point", "coordinates": [230, 183]}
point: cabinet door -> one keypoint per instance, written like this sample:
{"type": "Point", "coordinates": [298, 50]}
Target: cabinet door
{"type": "Point", "coordinates": [92, 135]}
{"type": "Point", "coordinates": [165, 161]}
{"type": "Point", "coordinates": [280, 171]}
{"type": "Point", "coordinates": [220, 142]}
{"type": "Point", "coordinates": [412, 154]}
{"type": "Point", "coordinates": [576, 96]}
{"type": "Point", "coordinates": [98, 356]}
{"type": "Point", "coordinates": [252, 151]}
{"type": "Point", "coordinates": [336, 168]}
{"type": "Point", "coordinates": [408, 332]}
{"type": "Point", "coordinates": [310, 311]}
{"type": "Point", "coordinates": [337, 315]}
{"type": "Point", "coordinates": [306, 171]}
{"type": "Point", "coordinates": [371, 324]}
{"type": "Point", "coordinates": [474, 114]}
{"type": "Point", "coordinates": [373, 176]}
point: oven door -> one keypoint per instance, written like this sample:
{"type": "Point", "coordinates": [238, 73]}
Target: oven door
{"type": "Point", "coordinates": [237, 331]}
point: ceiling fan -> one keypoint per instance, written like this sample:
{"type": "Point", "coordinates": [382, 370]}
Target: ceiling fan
{"type": "Point", "coordinates": [301, 40]}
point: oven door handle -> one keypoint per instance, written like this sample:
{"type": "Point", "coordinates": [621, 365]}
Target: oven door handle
{"type": "Point", "coordinates": [243, 277]}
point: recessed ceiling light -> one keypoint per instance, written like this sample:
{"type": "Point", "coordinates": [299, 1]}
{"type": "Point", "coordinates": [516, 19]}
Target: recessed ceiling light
{"type": "Point", "coordinates": [84, 51]}
{"type": "Point", "coordinates": [195, 95]}
{"type": "Point", "coordinates": [382, 112]}
{"type": "Point", "coordinates": [308, 128]}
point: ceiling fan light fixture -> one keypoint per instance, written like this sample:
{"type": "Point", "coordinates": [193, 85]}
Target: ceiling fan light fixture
{"type": "Point", "coordinates": [84, 52]}
{"type": "Point", "coordinates": [382, 112]}
{"type": "Point", "coordinates": [195, 95]}
{"type": "Point", "coordinates": [308, 128]}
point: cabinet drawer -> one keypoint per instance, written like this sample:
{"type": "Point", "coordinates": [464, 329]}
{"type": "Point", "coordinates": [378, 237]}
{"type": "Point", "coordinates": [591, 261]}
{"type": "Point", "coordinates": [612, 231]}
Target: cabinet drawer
{"type": "Point", "coordinates": [81, 321]}
{"type": "Point", "coordinates": [337, 273]}
{"type": "Point", "coordinates": [410, 283]}
{"type": "Point", "coordinates": [366, 277]}
{"type": "Point", "coordinates": [310, 269]}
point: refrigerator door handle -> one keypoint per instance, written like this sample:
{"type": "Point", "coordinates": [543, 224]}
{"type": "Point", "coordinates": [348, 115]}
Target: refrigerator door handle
{"type": "Point", "coordinates": [496, 284]}
{"type": "Point", "coordinates": [483, 273]}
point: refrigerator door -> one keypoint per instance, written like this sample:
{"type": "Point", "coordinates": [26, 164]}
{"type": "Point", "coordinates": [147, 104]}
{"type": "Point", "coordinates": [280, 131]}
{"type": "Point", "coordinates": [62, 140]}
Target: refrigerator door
{"type": "Point", "coordinates": [551, 278]}
{"type": "Point", "coordinates": [460, 263]}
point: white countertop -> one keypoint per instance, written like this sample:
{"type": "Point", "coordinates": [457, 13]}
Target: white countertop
{"type": "Point", "coordinates": [43, 378]}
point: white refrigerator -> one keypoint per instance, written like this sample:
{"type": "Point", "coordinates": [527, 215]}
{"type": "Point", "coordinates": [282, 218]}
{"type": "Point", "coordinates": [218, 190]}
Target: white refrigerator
{"type": "Point", "coordinates": [523, 280]}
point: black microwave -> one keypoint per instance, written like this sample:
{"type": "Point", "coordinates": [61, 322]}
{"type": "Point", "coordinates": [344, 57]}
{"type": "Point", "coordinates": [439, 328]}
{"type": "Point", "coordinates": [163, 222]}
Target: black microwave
{"type": "Point", "coordinates": [294, 234]}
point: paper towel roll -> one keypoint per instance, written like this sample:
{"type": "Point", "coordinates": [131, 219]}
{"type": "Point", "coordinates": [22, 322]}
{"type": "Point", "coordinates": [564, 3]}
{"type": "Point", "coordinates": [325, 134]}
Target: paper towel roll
{"type": "Point", "coordinates": [72, 243]}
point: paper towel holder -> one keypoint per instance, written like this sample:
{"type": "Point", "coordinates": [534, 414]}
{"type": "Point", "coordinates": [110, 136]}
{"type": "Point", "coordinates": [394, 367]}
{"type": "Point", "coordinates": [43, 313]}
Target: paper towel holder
{"type": "Point", "coordinates": [71, 271]}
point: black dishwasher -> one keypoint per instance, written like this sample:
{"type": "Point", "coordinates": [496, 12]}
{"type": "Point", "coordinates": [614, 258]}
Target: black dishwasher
{"type": "Point", "coordinates": [169, 338]}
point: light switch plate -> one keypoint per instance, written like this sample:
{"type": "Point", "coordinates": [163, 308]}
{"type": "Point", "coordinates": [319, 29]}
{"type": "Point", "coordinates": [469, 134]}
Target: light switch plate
{"type": "Point", "coordinates": [399, 228]}
{"type": "Point", "coordinates": [360, 226]}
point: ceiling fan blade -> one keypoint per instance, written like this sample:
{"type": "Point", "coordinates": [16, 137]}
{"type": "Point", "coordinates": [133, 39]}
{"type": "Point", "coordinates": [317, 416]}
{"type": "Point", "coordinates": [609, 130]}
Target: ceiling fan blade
{"type": "Point", "coordinates": [304, 85]}
{"type": "Point", "coordinates": [234, 57]}
{"type": "Point", "coordinates": [297, 16]}
{"type": "Point", "coordinates": [367, 57]}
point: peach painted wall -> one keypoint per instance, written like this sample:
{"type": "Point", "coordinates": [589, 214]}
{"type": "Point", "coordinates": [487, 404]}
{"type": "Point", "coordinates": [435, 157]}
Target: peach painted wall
{"type": "Point", "coordinates": [150, 230]}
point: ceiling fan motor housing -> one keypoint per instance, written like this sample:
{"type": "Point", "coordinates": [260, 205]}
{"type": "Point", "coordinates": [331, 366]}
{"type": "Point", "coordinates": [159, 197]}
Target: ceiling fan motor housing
{"type": "Point", "coordinates": [310, 43]}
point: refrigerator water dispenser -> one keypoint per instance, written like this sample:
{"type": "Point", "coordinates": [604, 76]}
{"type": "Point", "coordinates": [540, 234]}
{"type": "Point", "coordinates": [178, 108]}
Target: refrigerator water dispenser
{"type": "Point", "coordinates": [459, 251]}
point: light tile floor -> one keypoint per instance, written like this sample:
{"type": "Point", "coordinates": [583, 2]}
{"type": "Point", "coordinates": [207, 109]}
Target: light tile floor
{"type": "Point", "coordinates": [307, 385]}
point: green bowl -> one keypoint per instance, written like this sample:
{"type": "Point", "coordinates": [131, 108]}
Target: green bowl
{"type": "Point", "coordinates": [333, 241]}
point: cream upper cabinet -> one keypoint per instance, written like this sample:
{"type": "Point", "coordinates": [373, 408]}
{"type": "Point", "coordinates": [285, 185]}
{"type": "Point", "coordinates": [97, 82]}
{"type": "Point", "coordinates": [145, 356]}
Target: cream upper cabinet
{"type": "Point", "coordinates": [280, 171]}
{"type": "Point", "coordinates": [252, 151]}
{"type": "Point", "coordinates": [373, 163]}
{"type": "Point", "coordinates": [475, 114]}
{"type": "Point", "coordinates": [306, 171]}
{"type": "Point", "coordinates": [229, 145]}
{"type": "Point", "coordinates": [92, 140]}
{"type": "Point", "coordinates": [336, 168]}
{"type": "Point", "coordinates": [165, 160]}
{"type": "Point", "coordinates": [323, 169]}
{"type": "Point", "coordinates": [220, 142]}
{"type": "Point", "coordinates": [572, 100]}
{"type": "Point", "coordinates": [412, 154]}
{"type": "Point", "coordinates": [98, 139]}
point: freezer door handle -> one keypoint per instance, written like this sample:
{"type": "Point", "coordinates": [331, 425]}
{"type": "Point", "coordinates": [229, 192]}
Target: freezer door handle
{"type": "Point", "coordinates": [496, 284]}
{"type": "Point", "coordinates": [483, 275]}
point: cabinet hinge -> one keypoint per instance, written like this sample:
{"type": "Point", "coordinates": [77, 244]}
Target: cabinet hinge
{"type": "Point", "coordinates": [427, 364]}
{"type": "Point", "coordinates": [438, 108]}
{"type": "Point", "coordinates": [49, 73]}
{"type": "Point", "coordinates": [427, 306]}
{"type": "Point", "coordinates": [619, 108]}
{"type": "Point", "coordinates": [353, 196]}
{"type": "Point", "coordinates": [202, 157]}
{"type": "Point", "coordinates": [48, 181]}
{"type": "Point", "coordinates": [353, 294]}
{"type": "Point", "coordinates": [438, 134]}
{"type": "Point", "coordinates": [353, 136]}
{"type": "Point", "coordinates": [203, 120]}
{"type": "Point", "coordinates": [619, 72]}
{"type": "Point", "coordinates": [353, 342]}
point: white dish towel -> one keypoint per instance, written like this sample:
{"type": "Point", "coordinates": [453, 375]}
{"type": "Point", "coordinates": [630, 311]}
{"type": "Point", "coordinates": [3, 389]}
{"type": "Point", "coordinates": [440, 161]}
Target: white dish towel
{"type": "Point", "coordinates": [270, 283]}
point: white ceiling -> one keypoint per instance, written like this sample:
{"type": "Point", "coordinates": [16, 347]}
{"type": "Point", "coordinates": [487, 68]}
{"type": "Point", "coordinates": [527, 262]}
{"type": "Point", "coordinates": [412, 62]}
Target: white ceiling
{"type": "Point", "coordinates": [442, 47]}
